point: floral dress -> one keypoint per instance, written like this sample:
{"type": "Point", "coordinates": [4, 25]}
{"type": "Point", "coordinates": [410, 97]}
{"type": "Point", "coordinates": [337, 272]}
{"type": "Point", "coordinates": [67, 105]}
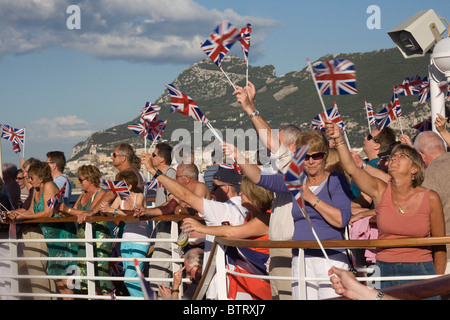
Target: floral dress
{"type": "Point", "coordinates": [102, 249]}
{"type": "Point", "coordinates": [58, 230]}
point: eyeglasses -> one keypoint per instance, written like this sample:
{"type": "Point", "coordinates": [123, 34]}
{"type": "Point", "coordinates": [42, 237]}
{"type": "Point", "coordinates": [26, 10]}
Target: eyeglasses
{"type": "Point", "coordinates": [20, 178]}
{"type": "Point", "coordinates": [315, 156]}
{"type": "Point", "coordinates": [399, 156]}
{"type": "Point", "coordinates": [81, 180]}
{"type": "Point", "coordinates": [183, 175]}
{"type": "Point", "coordinates": [370, 137]}
{"type": "Point", "coordinates": [155, 155]}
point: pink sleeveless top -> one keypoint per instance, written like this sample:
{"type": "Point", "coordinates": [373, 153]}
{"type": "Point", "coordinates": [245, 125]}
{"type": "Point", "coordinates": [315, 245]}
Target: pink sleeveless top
{"type": "Point", "coordinates": [393, 225]}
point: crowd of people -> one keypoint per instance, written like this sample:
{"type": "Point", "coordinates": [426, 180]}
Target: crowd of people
{"type": "Point", "coordinates": [398, 190]}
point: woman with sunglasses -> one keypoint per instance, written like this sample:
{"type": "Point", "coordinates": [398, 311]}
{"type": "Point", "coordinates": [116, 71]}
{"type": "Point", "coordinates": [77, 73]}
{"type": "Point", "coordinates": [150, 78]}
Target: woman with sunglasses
{"type": "Point", "coordinates": [89, 178]}
{"type": "Point", "coordinates": [404, 209]}
{"type": "Point", "coordinates": [327, 200]}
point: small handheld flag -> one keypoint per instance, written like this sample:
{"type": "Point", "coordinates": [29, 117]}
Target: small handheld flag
{"type": "Point", "coordinates": [119, 188]}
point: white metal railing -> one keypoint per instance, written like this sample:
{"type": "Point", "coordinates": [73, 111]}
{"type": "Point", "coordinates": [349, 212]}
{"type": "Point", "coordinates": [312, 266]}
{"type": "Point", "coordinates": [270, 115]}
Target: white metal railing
{"type": "Point", "coordinates": [13, 259]}
{"type": "Point", "coordinates": [215, 266]}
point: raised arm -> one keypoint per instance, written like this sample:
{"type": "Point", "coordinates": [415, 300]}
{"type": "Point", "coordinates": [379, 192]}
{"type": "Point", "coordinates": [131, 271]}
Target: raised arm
{"type": "Point", "coordinates": [440, 127]}
{"type": "Point", "coordinates": [252, 171]}
{"type": "Point", "coordinates": [368, 184]}
{"type": "Point", "coordinates": [174, 187]}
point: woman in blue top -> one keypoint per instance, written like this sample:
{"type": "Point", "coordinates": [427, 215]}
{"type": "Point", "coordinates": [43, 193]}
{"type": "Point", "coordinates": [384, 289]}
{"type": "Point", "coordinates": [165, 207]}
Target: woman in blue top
{"type": "Point", "coordinates": [327, 200]}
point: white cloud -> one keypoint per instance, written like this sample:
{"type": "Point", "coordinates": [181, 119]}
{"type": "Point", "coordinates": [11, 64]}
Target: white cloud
{"type": "Point", "coordinates": [134, 30]}
{"type": "Point", "coordinates": [69, 128]}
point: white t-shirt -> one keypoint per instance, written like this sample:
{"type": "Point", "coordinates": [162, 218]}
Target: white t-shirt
{"type": "Point", "coordinates": [214, 214]}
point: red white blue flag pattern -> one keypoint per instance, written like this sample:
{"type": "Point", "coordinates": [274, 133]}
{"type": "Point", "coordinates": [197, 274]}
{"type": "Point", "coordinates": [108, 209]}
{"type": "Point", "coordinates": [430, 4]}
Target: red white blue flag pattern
{"type": "Point", "coordinates": [119, 188]}
{"type": "Point", "coordinates": [389, 113]}
{"type": "Point", "coordinates": [294, 176]}
{"type": "Point", "coordinates": [220, 41]}
{"type": "Point", "coordinates": [150, 111]}
{"type": "Point", "coordinates": [184, 104]}
{"type": "Point", "coordinates": [370, 113]}
{"type": "Point", "coordinates": [245, 40]}
{"type": "Point", "coordinates": [53, 201]}
{"type": "Point", "coordinates": [336, 77]}
{"type": "Point", "coordinates": [318, 123]}
{"type": "Point", "coordinates": [409, 87]}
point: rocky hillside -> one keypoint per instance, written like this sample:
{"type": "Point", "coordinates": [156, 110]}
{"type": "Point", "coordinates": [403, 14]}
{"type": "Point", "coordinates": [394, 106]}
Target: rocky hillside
{"type": "Point", "coordinates": [290, 98]}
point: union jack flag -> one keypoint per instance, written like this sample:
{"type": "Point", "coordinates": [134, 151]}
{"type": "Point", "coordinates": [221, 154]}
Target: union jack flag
{"type": "Point", "coordinates": [318, 123]}
{"type": "Point", "coordinates": [409, 87]}
{"type": "Point", "coordinates": [336, 77]}
{"type": "Point", "coordinates": [139, 128]}
{"type": "Point", "coordinates": [119, 188]}
{"type": "Point", "coordinates": [150, 111]}
{"type": "Point", "coordinates": [424, 91]}
{"type": "Point", "coordinates": [220, 41]}
{"type": "Point", "coordinates": [370, 113]}
{"type": "Point", "coordinates": [389, 113]}
{"type": "Point", "coordinates": [16, 147]}
{"type": "Point", "coordinates": [184, 104]}
{"type": "Point", "coordinates": [424, 125]}
{"type": "Point", "coordinates": [13, 134]}
{"type": "Point", "coordinates": [156, 129]}
{"type": "Point", "coordinates": [53, 201]}
{"type": "Point", "coordinates": [245, 40]}
{"type": "Point", "coordinates": [153, 184]}
{"type": "Point", "coordinates": [294, 176]}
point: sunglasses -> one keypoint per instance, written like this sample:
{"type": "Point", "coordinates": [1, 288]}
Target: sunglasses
{"type": "Point", "coordinates": [370, 137]}
{"type": "Point", "coordinates": [315, 156]}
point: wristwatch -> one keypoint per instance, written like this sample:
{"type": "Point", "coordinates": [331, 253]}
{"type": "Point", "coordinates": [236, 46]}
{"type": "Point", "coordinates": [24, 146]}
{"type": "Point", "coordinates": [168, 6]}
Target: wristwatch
{"type": "Point", "coordinates": [157, 173]}
{"type": "Point", "coordinates": [254, 114]}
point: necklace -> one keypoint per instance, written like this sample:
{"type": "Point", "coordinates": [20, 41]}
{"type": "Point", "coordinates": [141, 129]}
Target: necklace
{"type": "Point", "coordinates": [402, 204]}
{"type": "Point", "coordinates": [315, 181]}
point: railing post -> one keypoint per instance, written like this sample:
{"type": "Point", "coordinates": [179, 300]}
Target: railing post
{"type": "Point", "coordinates": [90, 267]}
{"type": "Point", "coordinates": [301, 275]}
{"type": "Point", "coordinates": [13, 263]}
{"type": "Point", "coordinates": [221, 274]}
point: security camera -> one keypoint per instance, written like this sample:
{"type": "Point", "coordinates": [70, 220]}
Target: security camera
{"type": "Point", "coordinates": [416, 36]}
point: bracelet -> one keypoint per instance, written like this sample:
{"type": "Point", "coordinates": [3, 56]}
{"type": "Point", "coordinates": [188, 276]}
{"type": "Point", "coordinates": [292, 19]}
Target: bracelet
{"type": "Point", "coordinates": [254, 114]}
{"type": "Point", "coordinates": [70, 210]}
{"type": "Point", "coordinates": [175, 290]}
{"type": "Point", "coordinates": [364, 165]}
{"type": "Point", "coordinates": [339, 143]}
{"type": "Point", "coordinates": [317, 202]}
{"type": "Point", "coordinates": [115, 212]}
{"type": "Point", "coordinates": [379, 295]}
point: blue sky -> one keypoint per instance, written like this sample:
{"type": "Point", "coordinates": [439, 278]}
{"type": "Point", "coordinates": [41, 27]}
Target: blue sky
{"type": "Point", "coordinates": [63, 85]}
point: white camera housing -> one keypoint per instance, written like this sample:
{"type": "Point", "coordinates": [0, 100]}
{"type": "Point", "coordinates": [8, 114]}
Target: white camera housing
{"type": "Point", "coordinates": [416, 36]}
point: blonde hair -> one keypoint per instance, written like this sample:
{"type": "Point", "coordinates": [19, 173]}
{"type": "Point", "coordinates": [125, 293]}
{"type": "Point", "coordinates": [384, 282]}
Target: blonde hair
{"type": "Point", "coordinates": [317, 141]}
{"type": "Point", "coordinates": [260, 197]}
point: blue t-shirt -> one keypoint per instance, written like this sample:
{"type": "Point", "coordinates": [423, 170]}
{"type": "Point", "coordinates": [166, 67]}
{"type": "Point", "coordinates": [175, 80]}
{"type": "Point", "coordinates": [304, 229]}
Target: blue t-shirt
{"type": "Point", "coordinates": [334, 191]}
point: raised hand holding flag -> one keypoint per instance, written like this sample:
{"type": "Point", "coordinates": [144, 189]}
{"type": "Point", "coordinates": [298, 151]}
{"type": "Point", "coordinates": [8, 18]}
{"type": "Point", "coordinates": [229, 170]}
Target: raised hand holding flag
{"type": "Point", "coordinates": [293, 179]}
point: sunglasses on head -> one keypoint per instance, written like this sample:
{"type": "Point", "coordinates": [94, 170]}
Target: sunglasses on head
{"type": "Point", "coordinates": [315, 156]}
